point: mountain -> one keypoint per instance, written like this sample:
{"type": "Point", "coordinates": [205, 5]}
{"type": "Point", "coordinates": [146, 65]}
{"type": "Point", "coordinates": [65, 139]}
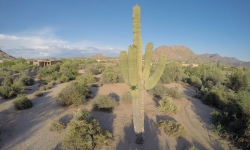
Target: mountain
{"type": "Point", "coordinates": [5, 56]}
{"type": "Point", "coordinates": [97, 56]}
{"type": "Point", "coordinates": [176, 53]}
{"type": "Point", "coordinates": [223, 60]}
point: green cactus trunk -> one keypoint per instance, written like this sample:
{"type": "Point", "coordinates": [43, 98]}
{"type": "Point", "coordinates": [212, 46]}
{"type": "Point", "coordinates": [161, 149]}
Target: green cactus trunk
{"type": "Point", "coordinates": [131, 68]}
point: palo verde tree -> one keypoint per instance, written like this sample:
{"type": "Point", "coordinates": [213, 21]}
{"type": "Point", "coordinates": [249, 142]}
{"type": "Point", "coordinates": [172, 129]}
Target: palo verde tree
{"type": "Point", "coordinates": [138, 81]}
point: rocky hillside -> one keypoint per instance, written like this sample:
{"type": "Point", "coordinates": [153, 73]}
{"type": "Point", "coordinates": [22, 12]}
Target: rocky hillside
{"type": "Point", "coordinates": [97, 56]}
{"type": "Point", "coordinates": [176, 53]}
{"type": "Point", "coordinates": [5, 56]}
{"type": "Point", "coordinates": [223, 60]}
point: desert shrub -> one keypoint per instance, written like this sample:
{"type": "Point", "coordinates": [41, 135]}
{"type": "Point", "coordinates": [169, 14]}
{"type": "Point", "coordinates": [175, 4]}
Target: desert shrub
{"type": "Point", "coordinates": [8, 81]}
{"type": "Point", "coordinates": [75, 93]}
{"type": "Point", "coordinates": [83, 115]}
{"type": "Point", "coordinates": [166, 105]}
{"type": "Point", "coordinates": [191, 148]}
{"type": "Point", "coordinates": [111, 75]}
{"type": "Point", "coordinates": [11, 88]}
{"type": "Point", "coordinates": [244, 101]}
{"type": "Point", "coordinates": [63, 79]}
{"type": "Point", "coordinates": [26, 80]}
{"type": "Point", "coordinates": [42, 88]}
{"type": "Point", "coordinates": [44, 72]}
{"type": "Point", "coordinates": [22, 102]}
{"type": "Point", "coordinates": [159, 90]}
{"type": "Point", "coordinates": [56, 125]}
{"type": "Point", "coordinates": [173, 72]}
{"type": "Point", "coordinates": [173, 92]}
{"type": "Point", "coordinates": [7, 91]}
{"type": "Point", "coordinates": [92, 70]}
{"type": "Point", "coordinates": [195, 81]}
{"type": "Point", "coordinates": [104, 102]}
{"type": "Point", "coordinates": [38, 93]}
{"type": "Point", "coordinates": [127, 97]}
{"type": "Point", "coordinates": [239, 80]}
{"type": "Point", "coordinates": [87, 78]}
{"type": "Point", "coordinates": [48, 86]}
{"type": "Point", "coordinates": [213, 98]}
{"type": "Point", "coordinates": [69, 68]}
{"type": "Point", "coordinates": [172, 128]}
{"type": "Point", "coordinates": [85, 135]}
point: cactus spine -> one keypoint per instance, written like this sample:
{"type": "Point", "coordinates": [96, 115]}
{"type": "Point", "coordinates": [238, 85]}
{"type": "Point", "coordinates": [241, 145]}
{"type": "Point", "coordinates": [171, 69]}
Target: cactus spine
{"type": "Point", "coordinates": [138, 81]}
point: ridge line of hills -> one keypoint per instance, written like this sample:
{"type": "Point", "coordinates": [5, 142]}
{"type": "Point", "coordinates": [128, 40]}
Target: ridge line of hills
{"type": "Point", "coordinates": [178, 53]}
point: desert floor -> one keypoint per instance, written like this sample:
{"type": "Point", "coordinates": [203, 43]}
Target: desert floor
{"type": "Point", "coordinates": [28, 129]}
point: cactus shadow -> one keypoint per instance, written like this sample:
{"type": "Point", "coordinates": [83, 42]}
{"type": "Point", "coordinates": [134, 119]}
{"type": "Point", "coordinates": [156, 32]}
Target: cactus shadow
{"type": "Point", "coordinates": [106, 119]}
{"type": "Point", "coordinates": [151, 137]}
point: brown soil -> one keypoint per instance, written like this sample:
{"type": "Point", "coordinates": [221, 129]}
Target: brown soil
{"type": "Point", "coordinates": [27, 129]}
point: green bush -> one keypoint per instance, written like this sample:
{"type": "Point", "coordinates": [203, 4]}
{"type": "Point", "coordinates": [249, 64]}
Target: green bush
{"type": "Point", "coordinates": [83, 115]}
{"type": "Point", "coordinates": [38, 93]}
{"type": "Point", "coordinates": [191, 148]}
{"type": "Point", "coordinates": [167, 106]}
{"type": "Point", "coordinates": [111, 75]}
{"type": "Point", "coordinates": [104, 102]}
{"type": "Point", "coordinates": [159, 90]}
{"type": "Point", "coordinates": [172, 128]}
{"type": "Point", "coordinates": [127, 97]}
{"type": "Point", "coordinates": [195, 81]}
{"type": "Point", "coordinates": [86, 135]}
{"type": "Point", "coordinates": [26, 80]}
{"type": "Point", "coordinates": [173, 92]}
{"type": "Point", "coordinates": [56, 125]}
{"type": "Point", "coordinates": [92, 70]}
{"type": "Point", "coordinates": [213, 98]}
{"type": "Point", "coordinates": [11, 88]}
{"type": "Point", "coordinates": [75, 93]}
{"type": "Point", "coordinates": [63, 79]}
{"type": "Point", "coordinates": [7, 91]}
{"type": "Point", "coordinates": [244, 101]}
{"type": "Point", "coordinates": [87, 78]}
{"type": "Point", "coordinates": [8, 81]}
{"type": "Point", "coordinates": [22, 102]}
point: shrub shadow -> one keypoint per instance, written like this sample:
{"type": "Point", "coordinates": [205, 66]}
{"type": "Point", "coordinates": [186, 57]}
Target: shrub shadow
{"type": "Point", "coordinates": [14, 127]}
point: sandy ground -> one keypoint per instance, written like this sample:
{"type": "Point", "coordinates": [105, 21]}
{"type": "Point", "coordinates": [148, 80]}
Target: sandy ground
{"type": "Point", "coordinates": [27, 129]}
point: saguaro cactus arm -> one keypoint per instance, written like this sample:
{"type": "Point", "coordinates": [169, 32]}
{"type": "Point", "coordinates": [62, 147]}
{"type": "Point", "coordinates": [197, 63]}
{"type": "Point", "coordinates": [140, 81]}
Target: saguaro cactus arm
{"type": "Point", "coordinates": [147, 61]}
{"type": "Point", "coordinates": [152, 81]}
{"type": "Point", "coordinates": [132, 63]}
{"type": "Point", "coordinates": [124, 66]}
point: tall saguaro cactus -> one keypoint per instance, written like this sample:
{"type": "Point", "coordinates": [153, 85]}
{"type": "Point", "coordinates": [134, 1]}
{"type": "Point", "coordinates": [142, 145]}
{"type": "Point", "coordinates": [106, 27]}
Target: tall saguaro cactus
{"type": "Point", "coordinates": [138, 81]}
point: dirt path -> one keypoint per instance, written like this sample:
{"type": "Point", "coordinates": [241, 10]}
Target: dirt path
{"type": "Point", "coordinates": [27, 129]}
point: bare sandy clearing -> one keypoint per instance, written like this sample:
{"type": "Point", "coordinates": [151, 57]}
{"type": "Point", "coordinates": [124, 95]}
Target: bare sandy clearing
{"type": "Point", "coordinates": [27, 129]}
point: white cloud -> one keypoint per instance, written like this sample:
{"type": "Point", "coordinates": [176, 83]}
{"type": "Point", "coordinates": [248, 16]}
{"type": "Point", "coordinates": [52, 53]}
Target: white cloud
{"type": "Point", "coordinates": [44, 43]}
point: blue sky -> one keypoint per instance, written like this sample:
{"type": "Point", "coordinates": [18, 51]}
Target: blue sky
{"type": "Point", "coordinates": [35, 29]}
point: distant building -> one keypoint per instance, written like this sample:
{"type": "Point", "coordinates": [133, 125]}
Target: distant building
{"type": "Point", "coordinates": [190, 65]}
{"type": "Point", "coordinates": [43, 62]}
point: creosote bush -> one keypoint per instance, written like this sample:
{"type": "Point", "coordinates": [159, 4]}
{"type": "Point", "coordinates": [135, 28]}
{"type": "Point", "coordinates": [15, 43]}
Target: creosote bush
{"type": "Point", "coordinates": [26, 80]}
{"type": "Point", "coordinates": [75, 93]}
{"type": "Point", "coordinates": [159, 90]}
{"type": "Point", "coordinates": [127, 97]}
{"type": "Point", "coordinates": [38, 93]}
{"type": "Point", "coordinates": [167, 106]}
{"type": "Point", "coordinates": [22, 102]}
{"type": "Point", "coordinates": [85, 133]}
{"type": "Point", "coordinates": [173, 92]}
{"type": "Point", "coordinates": [56, 125]}
{"type": "Point", "coordinates": [83, 115]}
{"type": "Point", "coordinates": [172, 128]}
{"type": "Point", "coordinates": [104, 102]}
